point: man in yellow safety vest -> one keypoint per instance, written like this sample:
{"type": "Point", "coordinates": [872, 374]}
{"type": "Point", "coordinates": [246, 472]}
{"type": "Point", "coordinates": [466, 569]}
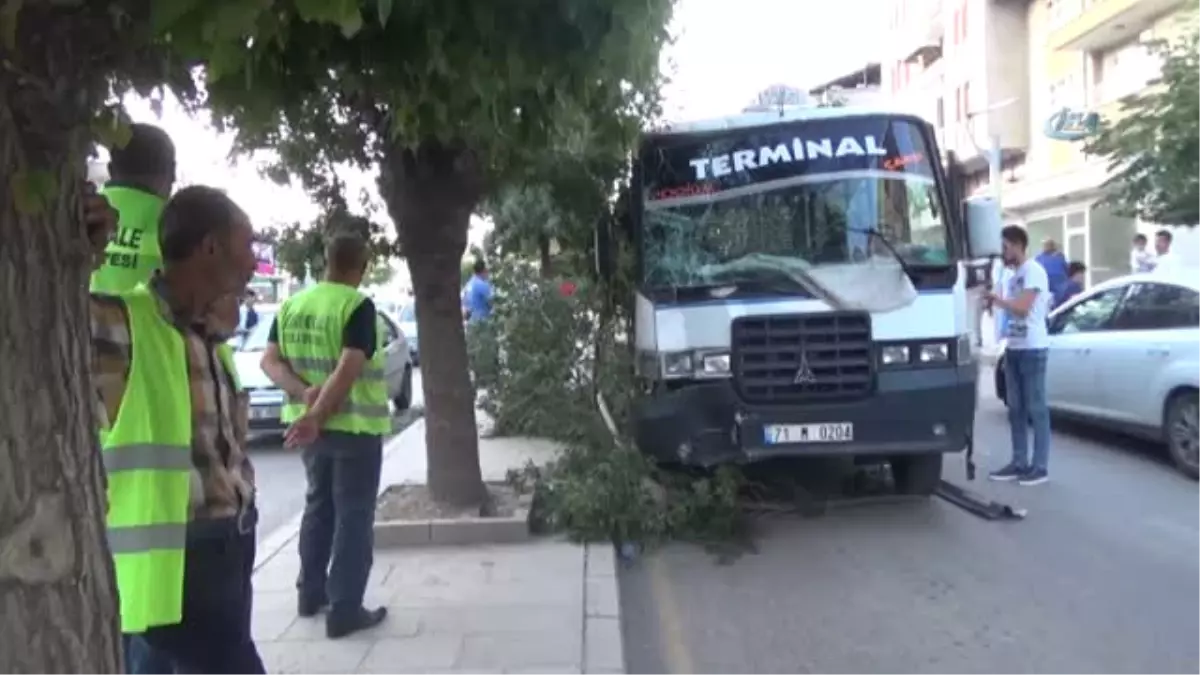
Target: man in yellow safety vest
{"type": "Point", "coordinates": [142, 174]}
{"type": "Point", "coordinates": [325, 350]}
{"type": "Point", "coordinates": [181, 517]}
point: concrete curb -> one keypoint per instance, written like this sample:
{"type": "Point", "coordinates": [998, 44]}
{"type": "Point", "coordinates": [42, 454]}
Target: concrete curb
{"type": "Point", "coordinates": [280, 537]}
{"type": "Point", "coordinates": [457, 531]}
{"type": "Point", "coordinates": [603, 646]}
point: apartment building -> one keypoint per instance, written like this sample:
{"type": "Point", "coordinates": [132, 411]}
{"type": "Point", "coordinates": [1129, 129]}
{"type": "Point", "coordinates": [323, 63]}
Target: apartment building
{"type": "Point", "coordinates": [1084, 56]}
{"type": "Point", "coordinates": [1020, 69]}
{"type": "Point", "coordinates": [860, 87]}
{"type": "Point", "coordinates": [962, 65]}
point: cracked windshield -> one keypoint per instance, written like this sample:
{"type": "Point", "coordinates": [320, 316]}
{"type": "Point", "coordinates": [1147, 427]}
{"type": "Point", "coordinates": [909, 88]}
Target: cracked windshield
{"type": "Point", "coordinates": [845, 193]}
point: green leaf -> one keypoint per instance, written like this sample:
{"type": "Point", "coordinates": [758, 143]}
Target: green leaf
{"type": "Point", "coordinates": [384, 8]}
{"type": "Point", "coordinates": [110, 127]}
{"type": "Point", "coordinates": [9, 15]}
{"type": "Point", "coordinates": [33, 191]}
{"type": "Point", "coordinates": [166, 14]}
{"type": "Point", "coordinates": [351, 23]}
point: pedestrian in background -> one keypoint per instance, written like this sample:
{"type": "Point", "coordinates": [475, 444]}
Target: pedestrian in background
{"type": "Point", "coordinates": [1165, 261]}
{"type": "Point", "coordinates": [325, 350]}
{"type": "Point", "coordinates": [1055, 264]}
{"type": "Point", "coordinates": [1140, 259]}
{"type": "Point", "coordinates": [477, 296]}
{"type": "Point", "coordinates": [181, 519]}
{"type": "Point", "coordinates": [1076, 274]}
{"type": "Point", "coordinates": [1027, 302]}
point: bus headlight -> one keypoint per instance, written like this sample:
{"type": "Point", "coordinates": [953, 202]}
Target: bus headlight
{"type": "Point", "coordinates": [893, 355]}
{"type": "Point", "coordinates": [935, 352]}
{"type": "Point", "coordinates": [714, 365]}
{"type": "Point", "coordinates": [677, 364]}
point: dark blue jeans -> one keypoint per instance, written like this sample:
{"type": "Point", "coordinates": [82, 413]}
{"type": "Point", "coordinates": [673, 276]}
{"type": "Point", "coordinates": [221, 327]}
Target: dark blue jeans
{"type": "Point", "coordinates": [142, 659]}
{"type": "Point", "coordinates": [336, 533]}
{"type": "Point", "coordinates": [1025, 379]}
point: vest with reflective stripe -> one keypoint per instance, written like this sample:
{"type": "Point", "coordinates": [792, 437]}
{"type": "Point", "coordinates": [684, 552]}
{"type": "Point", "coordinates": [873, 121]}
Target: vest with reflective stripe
{"type": "Point", "coordinates": [310, 329]}
{"type": "Point", "coordinates": [134, 253]}
{"type": "Point", "coordinates": [147, 456]}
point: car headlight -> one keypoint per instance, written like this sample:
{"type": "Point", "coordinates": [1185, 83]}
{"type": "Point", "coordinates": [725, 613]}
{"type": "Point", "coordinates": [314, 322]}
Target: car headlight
{"type": "Point", "coordinates": [677, 364]}
{"type": "Point", "coordinates": [936, 352]}
{"type": "Point", "coordinates": [714, 365]}
{"type": "Point", "coordinates": [892, 355]}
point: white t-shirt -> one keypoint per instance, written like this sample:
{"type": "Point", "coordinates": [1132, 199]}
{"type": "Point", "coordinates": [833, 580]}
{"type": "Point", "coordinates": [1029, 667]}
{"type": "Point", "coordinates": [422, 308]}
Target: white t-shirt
{"type": "Point", "coordinates": [1166, 263]}
{"type": "Point", "coordinates": [1029, 331]}
{"type": "Point", "coordinates": [1141, 261]}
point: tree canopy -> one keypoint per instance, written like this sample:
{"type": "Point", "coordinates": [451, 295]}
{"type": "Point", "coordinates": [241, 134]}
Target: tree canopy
{"type": "Point", "coordinates": [1153, 147]}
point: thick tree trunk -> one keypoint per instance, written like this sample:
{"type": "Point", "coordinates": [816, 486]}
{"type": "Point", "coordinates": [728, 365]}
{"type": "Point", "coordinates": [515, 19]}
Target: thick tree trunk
{"type": "Point", "coordinates": [58, 607]}
{"type": "Point", "coordinates": [431, 193]}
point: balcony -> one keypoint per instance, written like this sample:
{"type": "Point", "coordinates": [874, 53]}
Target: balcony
{"type": "Point", "coordinates": [920, 37]}
{"type": "Point", "coordinates": [1105, 23]}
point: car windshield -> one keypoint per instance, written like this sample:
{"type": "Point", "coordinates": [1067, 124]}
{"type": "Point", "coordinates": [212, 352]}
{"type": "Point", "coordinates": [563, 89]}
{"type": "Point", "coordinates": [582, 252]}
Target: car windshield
{"type": "Point", "coordinates": [732, 205]}
{"type": "Point", "coordinates": [408, 314]}
{"type": "Point", "coordinates": [256, 339]}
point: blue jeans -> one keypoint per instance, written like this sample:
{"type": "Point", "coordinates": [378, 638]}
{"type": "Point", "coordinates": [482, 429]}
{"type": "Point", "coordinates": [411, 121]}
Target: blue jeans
{"type": "Point", "coordinates": [142, 659]}
{"type": "Point", "coordinates": [336, 531]}
{"type": "Point", "coordinates": [1025, 378]}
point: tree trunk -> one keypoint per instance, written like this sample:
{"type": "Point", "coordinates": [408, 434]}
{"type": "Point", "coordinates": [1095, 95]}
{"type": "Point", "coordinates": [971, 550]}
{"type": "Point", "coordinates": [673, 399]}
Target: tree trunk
{"type": "Point", "coordinates": [58, 606]}
{"type": "Point", "coordinates": [431, 193]}
{"type": "Point", "coordinates": [547, 263]}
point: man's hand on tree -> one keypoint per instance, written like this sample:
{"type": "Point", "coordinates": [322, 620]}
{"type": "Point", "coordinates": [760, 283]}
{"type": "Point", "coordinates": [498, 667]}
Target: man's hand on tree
{"type": "Point", "coordinates": [100, 218]}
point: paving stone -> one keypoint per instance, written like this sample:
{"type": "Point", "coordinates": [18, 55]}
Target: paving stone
{"type": "Point", "coordinates": [268, 626]}
{"type": "Point", "coordinates": [420, 654]}
{"type": "Point", "coordinates": [497, 619]}
{"type": "Point", "coordinates": [325, 656]}
{"type": "Point", "coordinates": [274, 601]}
{"type": "Point", "coordinates": [602, 648]}
{"type": "Point", "coordinates": [279, 574]}
{"type": "Point", "coordinates": [602, 598]}
{"type": "Point", "coordinates": [548, 670]}
{"type": "Point", "coordinates": [509, 651]}
{"type": "Point", "coordinates": [313, 629]}
{"type": "Point", "coordinates": [564, 592]}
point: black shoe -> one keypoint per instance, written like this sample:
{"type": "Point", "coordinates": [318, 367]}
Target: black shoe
{"type": "Point", "coordinates": [309, 607]}
{"type": "Point", "coordinates": [1034, 477]}
{"type": "Point", "coordinates": [340, 625]}
{"type": "Point", "coordinates": [1008, 473]}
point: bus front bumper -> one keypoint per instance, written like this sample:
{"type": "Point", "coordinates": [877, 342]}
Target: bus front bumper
{"type": "Point", "coordinates": [929, 410]}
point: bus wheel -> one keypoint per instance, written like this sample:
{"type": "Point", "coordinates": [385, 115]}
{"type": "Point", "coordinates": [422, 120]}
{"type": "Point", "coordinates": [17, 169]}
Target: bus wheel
{"type": "Point", "coordinates": [917, 474]}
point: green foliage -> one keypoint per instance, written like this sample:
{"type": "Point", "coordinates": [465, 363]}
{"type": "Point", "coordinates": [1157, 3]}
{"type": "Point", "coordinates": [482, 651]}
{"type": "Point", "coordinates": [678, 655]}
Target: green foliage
{"type": "Point", "coordinates": [300, 248]}
{"type": "Point", "coordinates": [1154, 146]}
{"type": "Point", "coordinates": [542, 358]}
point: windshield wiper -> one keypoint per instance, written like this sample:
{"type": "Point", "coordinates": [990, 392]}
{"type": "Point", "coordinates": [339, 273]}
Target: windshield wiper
{"type": "Point", "coordinates": [904, 266]}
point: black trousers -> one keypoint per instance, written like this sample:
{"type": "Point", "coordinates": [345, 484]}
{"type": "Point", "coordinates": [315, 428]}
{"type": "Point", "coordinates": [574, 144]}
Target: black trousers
{"type": "Point", "coordinates": [214, 636]}
{"type": "Point", "coordinates": [336, 532]}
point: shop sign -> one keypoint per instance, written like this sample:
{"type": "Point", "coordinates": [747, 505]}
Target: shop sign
{"type": "Point", "coordinates": [1072, 125]}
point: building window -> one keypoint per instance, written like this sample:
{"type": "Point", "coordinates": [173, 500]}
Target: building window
{"type": "Point", "coordinates": [941, 112]}
{"type": "Point", "coordinates": [1124, 70]}
{"type": "Point", "coordinates": [966, 94]}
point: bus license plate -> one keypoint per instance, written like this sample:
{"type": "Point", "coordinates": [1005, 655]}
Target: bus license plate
{"type": "Point", "coordinates": [825, 432]}
{"type": "Point", "coordinates": [268, 412]}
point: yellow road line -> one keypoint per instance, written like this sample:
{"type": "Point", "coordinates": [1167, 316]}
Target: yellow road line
{"type": "Point", "coordinates": [676, 656]}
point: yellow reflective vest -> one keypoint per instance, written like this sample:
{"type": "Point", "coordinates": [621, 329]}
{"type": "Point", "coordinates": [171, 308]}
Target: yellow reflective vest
{"type": "Point", "coordinates": [310, 326]}
{"type": "Point", "coordinates": [147, 455]}
{"type": "Point", "coordinates": [134, 253]}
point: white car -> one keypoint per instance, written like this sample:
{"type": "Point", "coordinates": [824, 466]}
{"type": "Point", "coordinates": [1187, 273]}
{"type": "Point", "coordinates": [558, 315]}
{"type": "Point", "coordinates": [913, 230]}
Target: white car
{"type": "Point", "coordinates": [1125, 354]}
{"type": "Point", "coordinates": [408, 324]}
{"type": "Point", "coordinates": [266, 399]}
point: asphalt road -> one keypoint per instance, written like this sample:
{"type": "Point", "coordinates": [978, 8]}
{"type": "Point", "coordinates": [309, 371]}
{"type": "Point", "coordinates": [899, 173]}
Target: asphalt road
{"type": "Point", "coordinates": [1101, 577]}
{"type": "Point", "coordinates": [279, 474]}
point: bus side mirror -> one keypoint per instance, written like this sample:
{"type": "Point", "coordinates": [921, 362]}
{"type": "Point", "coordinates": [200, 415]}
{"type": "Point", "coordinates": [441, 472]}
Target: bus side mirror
{"type": "Point", "coordinates": [984, 225]}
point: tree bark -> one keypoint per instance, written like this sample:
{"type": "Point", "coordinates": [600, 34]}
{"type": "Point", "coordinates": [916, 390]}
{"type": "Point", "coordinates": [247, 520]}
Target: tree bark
{"type": "Point", "coordinates": [58, 605]}
{"type": "Point", "coordinates": [431, 192]}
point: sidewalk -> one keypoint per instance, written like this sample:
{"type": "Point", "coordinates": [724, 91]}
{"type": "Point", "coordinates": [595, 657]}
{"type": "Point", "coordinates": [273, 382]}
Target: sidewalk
{"type": "Point", "coordinates": [546, 606]}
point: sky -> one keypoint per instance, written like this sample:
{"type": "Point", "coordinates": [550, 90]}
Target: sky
{"type": "Point", "coordinates": [725, 52]}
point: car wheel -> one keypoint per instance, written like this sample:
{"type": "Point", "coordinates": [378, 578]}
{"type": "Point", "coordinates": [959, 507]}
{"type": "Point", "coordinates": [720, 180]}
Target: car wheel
{"type": "Point", "coordinates": [1181, 429]}
{"type": "Point", "coordinates": [917, 474]}
{"type": "Point", "coordinates": [1001, 386]}
{"type": "Point", "coordinates": [403, 400]}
